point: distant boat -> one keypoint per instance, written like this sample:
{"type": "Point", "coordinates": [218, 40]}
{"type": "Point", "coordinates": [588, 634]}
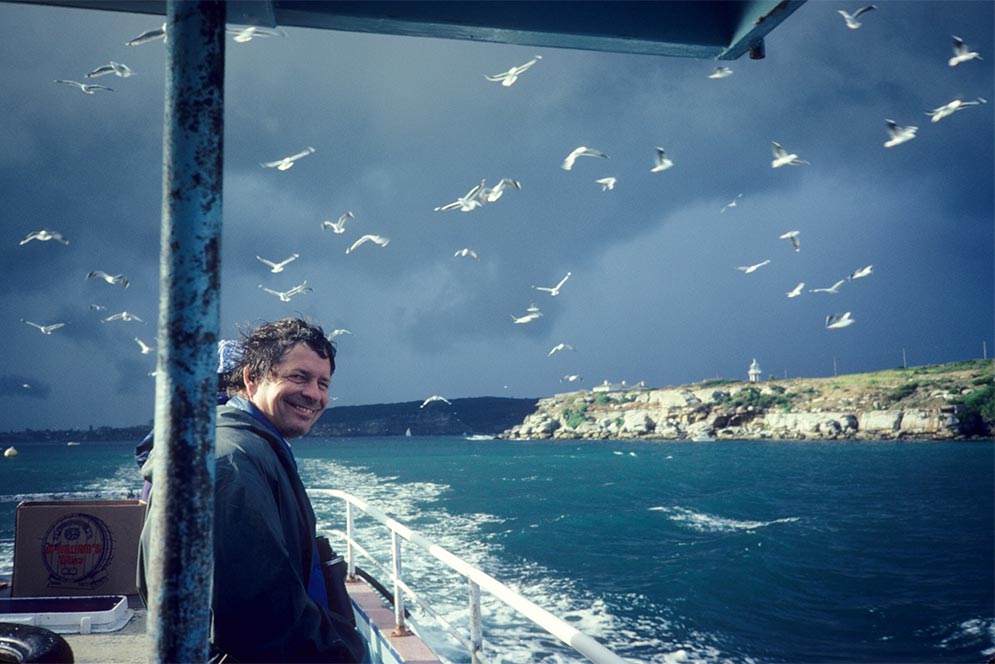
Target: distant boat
{"type": "Point", "coordinates": [480, 436]}
{"type": "Point", "coordinates": [72, 442]}
{"type": "Point", "coordinates": [407, 432]}
{"type": "Point", "coordinates": [10, 452]}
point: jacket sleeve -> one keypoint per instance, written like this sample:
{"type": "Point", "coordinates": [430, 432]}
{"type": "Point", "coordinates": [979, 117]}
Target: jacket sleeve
{"type": "Point", "coordinates": [262, 611]}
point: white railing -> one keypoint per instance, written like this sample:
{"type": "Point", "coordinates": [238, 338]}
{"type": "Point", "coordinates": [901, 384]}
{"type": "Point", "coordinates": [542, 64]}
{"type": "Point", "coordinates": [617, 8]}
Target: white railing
{"type": "Point", "coordinates": [476, 580]}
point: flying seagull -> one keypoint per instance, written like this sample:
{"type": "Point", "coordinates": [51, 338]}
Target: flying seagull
{"type": "Point", "coordinates": [571, 378]}
{"type": "Point", "coordinates": [247, 34]}
{"type": "Point", "coordinates": [286, 295]}
{"type": "Point", "coordinates": [527, 318]}
{"type": "Point", "coordinates": [337, 333]}
{"type": "Point", "coordinates": [337, 226]}
{"type": "Point", "coordinates": [720, 72]}
{"type": "Point", "coordinates": [952, 107]}
{"type": "Point", "coordinates": [148, 35]}
{"type": "Point", "coordinates": [468, 201]}
{"type": "Point", "coordinates": [116, 68]}
{"type": "Point", "coordinates": [508, 78]}
{"type": "Point", "coordinates": [44, 235]}
{"type": "Point", "coordinates": [782, 158]}
{"type": "Point", "coordinates": [660, 161]}
{"type": "Point", "coordinates": [898, 135]}
{"type": "Point", "coordinates": [145, 348]}
{"type": "Point", "coordinates": [44, 329]}
{"type": "Point", "coordinates": [731, 204]}
{"type": "Point", "coordinates": [434, 397]}
{"type": "Point", "coordinates": [124, 316]}
{"type": "Point", "coordinates": [836, 321]}
{"type": "Point", "coordinates": [833, 290]}
{"type": "Point", "coordinates": [962, 53]}
{"type": "Point", "coordinates": [464, 253]}
{"type": "Point", "coordinates": [607, 183]}
{"type": "Point", "coordinates": [555, 290]}
{"type": "Point", "coordinates": [797, 290]}
{"type": "Point", "coordinates": [491, 194]}
{"type": "Point", "coordinates": [87, 88]}
{"type": "Point", "coordinates": [851, 19]}
{"type": "Point", "coordinates": [115, 279]}
{"type": "Point", "coordinates": [753, 268]}
{"type": "Point", "coordinates": [559, 347]}
{"type": "Point", "coordinates": [793, 236]}
{"type": "Point", "coordinates": [287, 162]}
{"type": "Point", "coordinates": [862, 272]}
{"type": "Point", "coordinates": [532, 308]}
{"type": "Point", "coordinates": [582, 151]}
{"type": "Point", "coordinates": [278, 267]}
{"type": "Point", "coordinates": [377, 239]}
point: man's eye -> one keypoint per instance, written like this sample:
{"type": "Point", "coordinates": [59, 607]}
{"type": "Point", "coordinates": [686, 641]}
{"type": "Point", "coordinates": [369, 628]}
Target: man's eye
{"type": "Point", "coordinates": [323, 386]}
{"type": "Point", "coordinates": [298, 378]}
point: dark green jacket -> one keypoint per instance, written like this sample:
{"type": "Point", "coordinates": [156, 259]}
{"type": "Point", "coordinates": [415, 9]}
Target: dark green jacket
{"type": "Point", "coordinates": [263, 542]}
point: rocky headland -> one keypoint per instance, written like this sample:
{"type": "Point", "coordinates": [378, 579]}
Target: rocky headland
{"type": "Point", "coordinates": [949, 401]}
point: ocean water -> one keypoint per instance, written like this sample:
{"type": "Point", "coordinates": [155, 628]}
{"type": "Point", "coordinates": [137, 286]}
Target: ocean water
{"type": "Point", "coordinates": [713, 552]}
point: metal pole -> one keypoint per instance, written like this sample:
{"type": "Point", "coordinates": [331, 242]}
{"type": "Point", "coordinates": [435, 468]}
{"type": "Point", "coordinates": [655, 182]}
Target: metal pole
{"type": "Point", "coordinates": [476, 629]}
{"type": "Point", "coordinates": [349, 553]}
{"type": "Point", "coordinates": [182, 509]}
{"type": "Point", "coordinates": [401, 629]}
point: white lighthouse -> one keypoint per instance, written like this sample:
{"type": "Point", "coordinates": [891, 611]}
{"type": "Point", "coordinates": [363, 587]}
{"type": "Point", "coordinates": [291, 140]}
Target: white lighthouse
{"type": "Point", "coordinates": [755, 371]}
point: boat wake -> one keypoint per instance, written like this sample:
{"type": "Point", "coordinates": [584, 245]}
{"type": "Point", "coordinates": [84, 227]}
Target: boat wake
{"type": "Point", "coordinates": [709, 523]}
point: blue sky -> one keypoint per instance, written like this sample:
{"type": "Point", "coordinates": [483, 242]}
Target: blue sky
{"type": "Point", "coordinates": [402, 125]}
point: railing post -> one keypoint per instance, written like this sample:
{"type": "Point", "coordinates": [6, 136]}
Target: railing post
{"type": "Point", "coordinates": [181, 513]}
{"type": "Point", "coordinates": [349, 555]}
{"type": "Point", "coordinates": [476, 629]}
{"type": "Point", "coordinates": [401, 629]}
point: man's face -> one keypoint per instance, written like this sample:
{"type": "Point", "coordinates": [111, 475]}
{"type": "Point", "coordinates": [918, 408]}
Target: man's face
{"type": "Point", "coordinates": [296, 394]}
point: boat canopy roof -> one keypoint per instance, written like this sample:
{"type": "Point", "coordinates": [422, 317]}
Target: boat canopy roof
{"type": "Point", "coordinates": [719, 29]}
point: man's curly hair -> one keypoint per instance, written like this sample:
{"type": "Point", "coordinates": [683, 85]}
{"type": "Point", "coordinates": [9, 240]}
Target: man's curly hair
{"type": "Point", "coordinates": [266, 346]}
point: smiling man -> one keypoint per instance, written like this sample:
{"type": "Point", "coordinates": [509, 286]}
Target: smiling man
{"type": "Point", "coordinates": [269, 602]}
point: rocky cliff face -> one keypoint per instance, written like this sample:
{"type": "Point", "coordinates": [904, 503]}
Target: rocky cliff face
{"type": "Point", "coordinates": [936, 402]}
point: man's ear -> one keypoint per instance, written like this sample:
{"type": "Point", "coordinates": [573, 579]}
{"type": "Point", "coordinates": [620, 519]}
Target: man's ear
{"type": "Point", "coordinates": [250, 385]}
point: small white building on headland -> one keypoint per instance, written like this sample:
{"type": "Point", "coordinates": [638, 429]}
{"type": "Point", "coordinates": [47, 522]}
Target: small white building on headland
{"type": "Point", "coordinates": [755, 371]}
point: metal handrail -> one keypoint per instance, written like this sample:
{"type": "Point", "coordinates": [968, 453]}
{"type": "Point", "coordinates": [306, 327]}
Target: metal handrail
{"type": "Point", "coordinates": [478, 580]}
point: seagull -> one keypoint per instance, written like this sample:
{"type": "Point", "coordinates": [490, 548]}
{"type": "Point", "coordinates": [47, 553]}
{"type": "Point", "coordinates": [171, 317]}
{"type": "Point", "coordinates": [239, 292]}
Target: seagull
{"type": "Point", "coordinates": [731, 204]}
{"type": "Point", "coordinates": [793, 236]}
{"type": "Point", "coordinates": [835, 288]}
{"type": "Point", "coordinates": [116, 279]}
{"type": "Point", "coordinates": [116, 68]}
{"type": "Point", "coordinates": [527, 318]}
{"type": "Point", "coordinates": [287, 162]}
{"type": "Point", "coordinates": [862, 272]}
{"type": "Point", "coordinates": [797, 290]}
{"type": "Point", "coordinates": [124, 316]}
{"type": "Point", "coordinates": [337, 333]}
{"type": "Point", "coordinates": [851, 20]}
{"type": "Point", "coordinates": [148, 35]}
{"type": "Point", "coordinates": [44, 235]}
{"type": "Point", "coordinates": [582, 151]}
{"type": "Point", "coordinates": [559, 347]}
{"type": "Point", "coordinates": [720, 72]}
{"type": "Point", "coordinates": [836, 321]}
{"type": "Point", "coordinates": [462, 253]}
{"type": "Point", "coordinates": [509, 77]}
{"type": "Point", "coordinates": [286, 295]}
{"type": "Point", "coordinates": [87, 88]}
{"type": "Point", "coordinates": [44, 329]}
{"type": "Point", "coordinates": [278, 267]}
{"type": "Point", "coordinates": [660, 161]}
{"type": "Point", "coordinates": [752, 268]}
{"type": "Point", "coordinates": [961, 53]}
{"type": "Point", "coordinates": [434, 397]}
{"type": "Point", "coordinates": [337, 226]}
{"type": "Point", "coordinates": [98, 307]}
{"type": "Point", "coordinates": [468, 201]}
{"type": "Point", "coordinates": [781, 157]}
{"type": "Point", "coordinates": [898, 135]}
{"type": "Point", "coordinates": [555, 290]}
{"type": "Point", "coordinates": [571, 378]}
{"type": "Point", "coordinates": [607, 183]}
{"type": "Point", "coordinates": [146, 349]}
{"type": "Point", "coordinates": [489, 195]}
{"type": "Point", "coordinates": [532, 308]}
{"type": "Point", "coordinates": [247, 34]}
{"type": "Point", "coordinates": [952, 107]}
{"type": "Point", "coordinates": [378, 239]}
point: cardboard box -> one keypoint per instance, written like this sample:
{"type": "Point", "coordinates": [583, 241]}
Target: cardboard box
{"type": "Point", "coordinates": [76, 547]}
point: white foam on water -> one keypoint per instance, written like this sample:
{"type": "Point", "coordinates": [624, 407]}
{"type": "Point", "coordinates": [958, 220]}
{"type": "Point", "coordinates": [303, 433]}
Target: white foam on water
{"type": "Point", "coordinates": [508, 636]}
{"type": "Point", "coordinates": [709, 523]}
{"type": "Point", "coordinates": [971, 631]}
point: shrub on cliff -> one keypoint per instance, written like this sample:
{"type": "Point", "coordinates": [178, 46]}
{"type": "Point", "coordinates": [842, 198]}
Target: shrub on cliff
{"type": "Point", "coordinates": [977, 412]}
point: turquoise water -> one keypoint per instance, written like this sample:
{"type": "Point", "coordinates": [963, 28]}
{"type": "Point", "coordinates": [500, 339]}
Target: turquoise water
{"type": "Point", "coordinates": [664, 552]}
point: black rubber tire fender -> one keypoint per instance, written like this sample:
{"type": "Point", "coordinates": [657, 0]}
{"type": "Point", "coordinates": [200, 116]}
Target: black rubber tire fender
{"type": "Point", "coordinates": [28, 643]}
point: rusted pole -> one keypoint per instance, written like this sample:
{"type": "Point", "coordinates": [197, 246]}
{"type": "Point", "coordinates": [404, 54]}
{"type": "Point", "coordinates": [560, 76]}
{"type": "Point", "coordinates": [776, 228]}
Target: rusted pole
{"type": "Point", "coordinates": [182, 508]}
